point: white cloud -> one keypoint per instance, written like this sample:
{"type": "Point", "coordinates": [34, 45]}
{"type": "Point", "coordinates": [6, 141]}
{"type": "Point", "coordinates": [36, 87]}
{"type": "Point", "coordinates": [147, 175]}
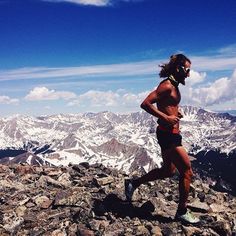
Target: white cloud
{"type": "Point", "coordinates": [47, 107]}
{"type": "Point", "coordinates": [97, 3]}
{"type": "Point", "coordinates": [142, 68]}
{"type": "Point", "coordinates": [43, 93]}
{"type": "Point", "coordinates": [198, 90]}
{"type": "Point", "coordinates": [85, 2]}
{"type": "Point", "coordinates": [94, 98]}
{"type": "Point", "coordinates": [220, 91]}
{"type": "Point", "coordinates": [229, 50]}
{"type": "Point", "coordinates": [128, 69]}
{"type": "Point", "coordinates": [214, 63]}
{"type": "Point", "coordinates": [103, 100]}
{"type": "Point", "coordinates": [8, 100]}
{"type": "Point", "coordinates": [196, 77]}
{"type": "Point", "coordinates": [131, 99]}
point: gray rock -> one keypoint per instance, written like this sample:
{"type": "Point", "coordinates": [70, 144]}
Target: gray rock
{"type": "Point", "coordinates": [76, 196]}
{"type": "Point", "coordinates": [45, 181]}
{"type": "Point", "coordinates": [156, 231]}
{"type": "Point", "coordinates": [223, 228]}
{"type": "Point", "coordinates": [11, 222]}
{"type": "Point", "coordinates": [43, 202]}
{"type": "Point", "coordinates": [58, 232]}
{"type": "Point", "coordinates": [199, 206]}
{"type": "Point", "coordinates": [142, 231]}
{"type": "Point", "coordinates": [191, 231]}
{"type": "Point", "coordinates": [86, 232]}
{"type": "Point", "coordinates": [65, 179]}
{"type": "Point", "coordinates": [89, 200]}
{"type": "Point", "coordinates": [104, 180]}
{"type": "Point", "coordinates": [20, 211]}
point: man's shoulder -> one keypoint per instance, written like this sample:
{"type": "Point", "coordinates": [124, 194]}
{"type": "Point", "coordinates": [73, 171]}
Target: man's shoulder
{"type": "Point", "coordinates": [165, 85]}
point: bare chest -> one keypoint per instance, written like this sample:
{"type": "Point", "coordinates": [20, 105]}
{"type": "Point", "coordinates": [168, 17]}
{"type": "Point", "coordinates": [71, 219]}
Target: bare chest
{"type": "Point", "coordinates": [175, 97]}
{"type": "Point", "coordinates": [172, 99]}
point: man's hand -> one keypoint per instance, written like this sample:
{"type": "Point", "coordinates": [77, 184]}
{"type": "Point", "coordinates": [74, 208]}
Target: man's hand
{"type": "Point", "coordinates": [180, 115]}
{"type": "Point", "coordinates": [172, 120]}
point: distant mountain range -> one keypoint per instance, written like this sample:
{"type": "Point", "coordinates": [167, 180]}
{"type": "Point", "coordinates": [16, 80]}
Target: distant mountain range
{"type": "Point", "coordinates": [124, 141]}
{"type": "Point", "coordinates": [231, 112]}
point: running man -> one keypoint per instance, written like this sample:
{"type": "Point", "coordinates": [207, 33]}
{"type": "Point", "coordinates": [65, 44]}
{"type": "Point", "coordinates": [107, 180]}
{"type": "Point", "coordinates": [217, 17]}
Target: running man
{"type": "Point", "coordinates": [167, 98]}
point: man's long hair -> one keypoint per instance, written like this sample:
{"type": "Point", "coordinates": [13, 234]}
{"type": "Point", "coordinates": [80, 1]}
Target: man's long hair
{"type": "Point", "coordinates": [170, 67]}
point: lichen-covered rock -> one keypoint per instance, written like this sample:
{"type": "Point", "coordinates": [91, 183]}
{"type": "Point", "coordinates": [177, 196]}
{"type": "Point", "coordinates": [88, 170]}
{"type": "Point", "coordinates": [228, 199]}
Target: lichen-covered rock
{"type": "Point", "coordinates": [43, 202]}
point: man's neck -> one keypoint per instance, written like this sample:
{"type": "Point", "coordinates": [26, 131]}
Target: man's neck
{"type": "Point", "coordinates": [173, 80]}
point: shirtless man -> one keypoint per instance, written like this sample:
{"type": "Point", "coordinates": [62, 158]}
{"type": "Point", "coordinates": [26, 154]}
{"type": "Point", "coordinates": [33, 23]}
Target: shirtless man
{"type": "Point", "coordinates": [167, 97]}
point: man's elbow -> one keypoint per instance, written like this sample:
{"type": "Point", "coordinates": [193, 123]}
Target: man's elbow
{"type": "Point", "coordinates": [144, 105]}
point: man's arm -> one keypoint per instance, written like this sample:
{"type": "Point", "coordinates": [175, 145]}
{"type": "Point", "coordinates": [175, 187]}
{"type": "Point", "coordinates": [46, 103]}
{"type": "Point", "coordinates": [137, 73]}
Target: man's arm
{"type": "Point", "coordinates": [148, 105]}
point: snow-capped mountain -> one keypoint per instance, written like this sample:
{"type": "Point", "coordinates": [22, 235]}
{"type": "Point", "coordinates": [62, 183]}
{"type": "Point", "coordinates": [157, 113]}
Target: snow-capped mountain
{"type": "Point", "coordinates": [124, 141]}
{"type": "Point", "coordinates": [205, 130]}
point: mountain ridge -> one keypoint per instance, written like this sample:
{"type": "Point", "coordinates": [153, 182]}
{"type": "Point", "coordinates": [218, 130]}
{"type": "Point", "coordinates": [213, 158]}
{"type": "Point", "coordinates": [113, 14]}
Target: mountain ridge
{"type": "Point", "coordinates": [80, 137]}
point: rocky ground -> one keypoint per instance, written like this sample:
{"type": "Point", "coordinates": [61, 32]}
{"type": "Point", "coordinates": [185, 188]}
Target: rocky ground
{"type": "Point", "coordinates": [88, 200]}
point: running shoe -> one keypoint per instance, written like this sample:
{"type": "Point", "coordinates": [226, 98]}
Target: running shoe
{"type": "Point", "coordinates": [129, 189]}
{"type": "Point", "coordinates": [188, 217]}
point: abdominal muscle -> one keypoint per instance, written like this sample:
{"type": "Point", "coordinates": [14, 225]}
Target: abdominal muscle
{"type": "Point", "coordinates": [169, 110]}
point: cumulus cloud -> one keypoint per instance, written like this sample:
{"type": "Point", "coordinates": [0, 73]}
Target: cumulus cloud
{"type": "Point", "coordinates": [196, 77]}
{"type": "Point", "coordinates": [8, 100]}
{"type": "Point", "coordinates": [217, 92]}
{"type": "Point", "coordinates": [43, 93]}
{"type": "Point", "coordinates": [131, 99]}
{"type": "Point", "coordinates": [94, 98]}
{"type": "Point", "coordinates": [118, 100]}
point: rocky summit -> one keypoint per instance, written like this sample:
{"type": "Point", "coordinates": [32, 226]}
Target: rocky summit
{"type": "Point", "coordinates": [89, 200]}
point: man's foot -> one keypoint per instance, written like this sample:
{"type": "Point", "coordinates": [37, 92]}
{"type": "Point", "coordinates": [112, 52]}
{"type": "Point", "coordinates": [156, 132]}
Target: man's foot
{"type": "Point", "coordinates": [188, 217]}
{"type": "Point", "coordinates": [129, 189]}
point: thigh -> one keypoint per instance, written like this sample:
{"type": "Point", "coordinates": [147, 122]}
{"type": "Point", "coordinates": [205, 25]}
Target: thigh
{"type": "Point", "coordinates": [179, 157]}
{"type": "Point", "coordinates": [167, 160]}
{"type": "Point", "coordinates": [168, 140]}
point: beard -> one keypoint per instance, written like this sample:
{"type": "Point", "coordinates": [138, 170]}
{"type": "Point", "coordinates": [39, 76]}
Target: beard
{"type": "Point", "coordinates": [182, 81]}
{"type": "Point", "coordinates": [180, 76]}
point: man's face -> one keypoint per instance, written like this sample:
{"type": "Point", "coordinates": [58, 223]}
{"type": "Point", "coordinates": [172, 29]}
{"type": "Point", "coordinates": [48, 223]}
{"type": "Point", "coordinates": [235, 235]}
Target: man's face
{"type": "Point", "coordinates": [182, 72]}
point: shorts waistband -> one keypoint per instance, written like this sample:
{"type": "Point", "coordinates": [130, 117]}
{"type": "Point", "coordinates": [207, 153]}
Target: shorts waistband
{"type": "Point", "coordinates": [169, 130]}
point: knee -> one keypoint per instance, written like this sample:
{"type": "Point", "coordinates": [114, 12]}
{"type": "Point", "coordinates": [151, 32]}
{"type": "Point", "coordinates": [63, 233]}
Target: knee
{"type": "Point", "coordinates": [187, 173]}
{"type": "Point", "coordinates": [170, 173]}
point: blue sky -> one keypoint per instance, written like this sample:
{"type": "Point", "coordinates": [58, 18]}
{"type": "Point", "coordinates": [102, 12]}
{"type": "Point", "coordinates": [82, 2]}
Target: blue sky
{"type": "Point", "coordinates": [59, 56]}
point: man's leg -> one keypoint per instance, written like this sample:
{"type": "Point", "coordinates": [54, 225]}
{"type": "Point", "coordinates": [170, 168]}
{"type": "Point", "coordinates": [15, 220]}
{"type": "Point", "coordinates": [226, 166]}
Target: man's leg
{"type": "Point", "coordinates": [181, 160]}
{"type": "Point", "coordinates": [167, 170]}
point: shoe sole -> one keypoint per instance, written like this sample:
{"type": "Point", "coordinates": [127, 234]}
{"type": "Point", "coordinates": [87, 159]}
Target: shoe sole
{"type": "Point", "coordinates": [126, 187]}
{"type": "Point", "coordinates": [187, 223]}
